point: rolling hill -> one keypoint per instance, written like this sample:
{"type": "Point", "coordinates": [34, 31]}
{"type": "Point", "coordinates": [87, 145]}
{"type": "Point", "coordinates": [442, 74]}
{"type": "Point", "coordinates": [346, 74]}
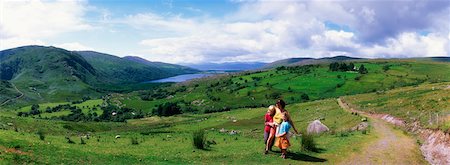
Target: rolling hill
{"type": "Point", "coordinates": [308, 61]}
{"type": "Point", "coordinates": [171, 68]}
{"type": "Point", "coordinates": [54, 74]}
{"type": "Point", "coordinates": [116, 70]}
{"type": "Point", "coordinates": [237, 66]}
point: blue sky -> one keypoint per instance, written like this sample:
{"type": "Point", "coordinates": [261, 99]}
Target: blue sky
{"type": "Point", "coordinates": [231, 30]}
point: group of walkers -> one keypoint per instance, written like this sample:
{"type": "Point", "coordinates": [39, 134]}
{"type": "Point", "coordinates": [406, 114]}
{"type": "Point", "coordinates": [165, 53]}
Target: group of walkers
{"type": "Point", "coordinates": [277, 125]}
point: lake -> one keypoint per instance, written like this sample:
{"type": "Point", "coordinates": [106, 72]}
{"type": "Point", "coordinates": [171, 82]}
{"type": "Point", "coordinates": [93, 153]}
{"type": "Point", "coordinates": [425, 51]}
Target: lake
{"type": "Point", "coordinates": [182, 78]}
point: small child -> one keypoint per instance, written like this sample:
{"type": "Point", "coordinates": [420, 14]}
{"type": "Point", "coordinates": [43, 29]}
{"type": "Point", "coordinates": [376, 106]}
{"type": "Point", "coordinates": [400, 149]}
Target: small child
{"type": "Point", "coordinates": [268, 128]}
{"type": "Point", "coordinates": [282, 137]}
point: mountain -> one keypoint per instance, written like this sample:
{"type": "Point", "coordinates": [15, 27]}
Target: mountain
{"type": "Point", "coordinates": [228, 66]}
{"type": "Point", "coordinates": [178, 69]}
{"type": "Point", "coordinates": [116, 70]}
{"type": "Point", "coordinates": [54, 74]}
{"type": "Point", "coordinates": [442, 59]}
{"type": "Point", "coordinates": [43, 73]}
{"type": "Point", "coordinates": [308, 61]}
{"type": "Point", "coordinates": [285, 62]}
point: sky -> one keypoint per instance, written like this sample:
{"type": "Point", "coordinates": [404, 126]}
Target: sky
{"type": "Point", "coordinates": [217, 31]}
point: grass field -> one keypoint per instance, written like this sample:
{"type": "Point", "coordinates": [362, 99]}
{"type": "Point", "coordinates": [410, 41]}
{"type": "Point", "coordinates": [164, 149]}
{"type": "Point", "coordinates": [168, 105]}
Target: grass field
{"type": "Point", "coordinates": [428, 104]}
{"type": "Point", "coordinates": [168, 140]}
{"type": "Point", "coordinates": [255, 89]}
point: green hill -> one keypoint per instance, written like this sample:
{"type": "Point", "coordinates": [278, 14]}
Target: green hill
{"type": "Point", "coordinates": [47, 74]}
{"type": "Point", "coordinates": [294, 84]}
{"type": "Point", "coordinates": [116, 70]}
{"type": "Point", "coordinates": [245, 97]}
{"type": "Point", "coordinates": [171, 68]}
{"type": "Point", "coordinates": [308, 61]}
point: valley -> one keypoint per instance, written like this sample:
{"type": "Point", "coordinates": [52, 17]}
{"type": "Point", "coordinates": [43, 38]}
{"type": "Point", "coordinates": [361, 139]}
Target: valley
{"type": "Point", "coordinates": [87, 119]}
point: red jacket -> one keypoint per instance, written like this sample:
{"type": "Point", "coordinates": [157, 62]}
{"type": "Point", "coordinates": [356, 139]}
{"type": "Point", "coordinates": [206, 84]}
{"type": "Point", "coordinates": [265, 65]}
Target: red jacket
{"type": "Point", "coordinates": [268, 119]}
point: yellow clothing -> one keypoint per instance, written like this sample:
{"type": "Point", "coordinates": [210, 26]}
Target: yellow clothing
{"type": "Point", "coordinates": [278, 117]}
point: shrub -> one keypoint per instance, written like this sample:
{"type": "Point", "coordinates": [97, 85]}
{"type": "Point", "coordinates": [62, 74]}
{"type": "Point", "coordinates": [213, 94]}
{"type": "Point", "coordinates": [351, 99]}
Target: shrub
{"type": "Point", "coordinates": [69, 140]}
{"type": "Point", "coordinates": [134, 141]}
{"type": "Point", "coordinates": [199, 139]}
{"type": "Point", "coordinates": [82, 141]}
{"type": "Point", "coordinates": [41, 135]}
{"type": "Point", "coordinates": [307, 143]}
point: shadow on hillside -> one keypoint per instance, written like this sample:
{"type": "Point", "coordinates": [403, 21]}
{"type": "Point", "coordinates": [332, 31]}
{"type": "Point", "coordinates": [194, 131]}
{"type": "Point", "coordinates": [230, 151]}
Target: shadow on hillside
{"type": "Point", "coordinates": [302, 157]}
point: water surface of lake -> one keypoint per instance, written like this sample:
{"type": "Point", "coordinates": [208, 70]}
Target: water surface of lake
{"type": "Point", "coordinates": [182, 78]}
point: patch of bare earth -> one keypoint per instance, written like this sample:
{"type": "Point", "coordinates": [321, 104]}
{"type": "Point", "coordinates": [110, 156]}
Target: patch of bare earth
{"type": "Point", "coordinates": [391, 146]}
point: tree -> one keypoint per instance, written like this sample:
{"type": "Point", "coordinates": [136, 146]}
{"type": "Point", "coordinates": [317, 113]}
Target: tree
{"type": "Point", "coordinates": [167, 109]}
{"type": "Point", "coordinates": [351, 66]}
{"type": "Point", "coordinates": [304, 96]}
{"type": "Point", "coordinates": [343, 67]}
{"type": "Point", "coordinates": [363, 70]}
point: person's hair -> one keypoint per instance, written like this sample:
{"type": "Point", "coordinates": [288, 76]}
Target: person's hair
{"type": "Point", "coordinates": [281, 103]}
{"type": "Point", "coordinates": [285, 118]}
{"type": "Point", "coordinates": [272, 110]}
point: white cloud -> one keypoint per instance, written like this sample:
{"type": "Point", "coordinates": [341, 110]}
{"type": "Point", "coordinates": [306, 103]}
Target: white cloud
{"type": "Point", "coordinates": [29, 22]}
{"type": "Point", "coordinates": [269, 30]}
{"type": "Point", "coordinates": [74, 46]}
{"type": "Point", "coordinates": [15, 42]}
{"type": "Point", "coordinates": [410, 45]}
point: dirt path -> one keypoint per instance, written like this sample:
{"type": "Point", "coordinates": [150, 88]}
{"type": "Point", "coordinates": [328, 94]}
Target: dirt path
{"type": "Point", "coordinates": [391, 146]}
{"type": "Point", "coordinates": [18, 97]}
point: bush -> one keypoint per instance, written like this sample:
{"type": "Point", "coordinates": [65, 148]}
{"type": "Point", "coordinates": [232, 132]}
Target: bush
{"type": "Point", "coordinates": [199, 139]}
{"type": "Point", "coordinates": [134, 141]}
{"type": "Point", "coordinates": [41, 135]}
{"type": "Point", "coordinates": [307, 143]}
{"type": "Point", "coordinates": [82, 141]}
{"type": "Point", "coordinates": [69, 140]}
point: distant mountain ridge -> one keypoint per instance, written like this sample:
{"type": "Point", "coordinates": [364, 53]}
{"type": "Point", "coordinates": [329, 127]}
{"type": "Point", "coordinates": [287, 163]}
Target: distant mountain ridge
{"type": "Point", "coordinates": [171, 67]}
{"type": "Point", "coordinates": [228, 66]}
{"type": "Point", "coordinates": [307, 61]}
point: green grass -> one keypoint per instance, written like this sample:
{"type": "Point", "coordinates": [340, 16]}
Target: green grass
{"type": "Point", "coordinates": [427, 103]}
{"type": "Point", "coordinates": [320, 83]}
{"type": "Point", "coordinates": [168, 140]}
{"type": "Point", "coordinates": [85, 107]}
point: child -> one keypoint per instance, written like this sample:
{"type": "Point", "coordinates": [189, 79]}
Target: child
{"type": "Point", "coordinates": [282, 137]}
{"type": "Point", "coordinates": [268, 129]}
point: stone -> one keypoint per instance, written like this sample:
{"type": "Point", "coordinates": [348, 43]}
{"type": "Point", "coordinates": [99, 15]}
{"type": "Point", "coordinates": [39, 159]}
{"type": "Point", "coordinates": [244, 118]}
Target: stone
{"type": "Point", "coordinates": [316, 127]}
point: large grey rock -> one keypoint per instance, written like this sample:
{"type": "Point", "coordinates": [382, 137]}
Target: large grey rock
{"type": "Point", "coordinates": [316, 127]}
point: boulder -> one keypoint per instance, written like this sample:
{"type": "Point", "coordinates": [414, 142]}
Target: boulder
{"type": "Point", "coordinates": [316, 127]}
{"type": "Point", "coordinates": [361, 126]}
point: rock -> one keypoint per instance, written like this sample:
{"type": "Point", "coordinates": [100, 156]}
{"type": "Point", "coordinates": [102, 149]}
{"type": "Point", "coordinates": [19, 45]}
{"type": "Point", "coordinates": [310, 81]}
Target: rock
{"type": "Point", "coordinates": [234, 121]}
{"type": "Point", "coordinates": [316, 127]}
{"type": "Point", "coordinates": [233, 132]}
{"type": "Point", "coordinates": [117, 136]}
{"type": "Point", "coordinates": [361, 126]}
{"type": "Point", "coordinates": [222, 130]}
{"type": "Point", "coordinates": [364, 119]}
{"type": "Point", "coordinates": [10, 124]}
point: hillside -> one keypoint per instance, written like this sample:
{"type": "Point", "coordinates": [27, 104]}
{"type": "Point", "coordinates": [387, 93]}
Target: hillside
{"type": "Point", "coordinates": [171, 68]}
{"type": "Point", "coordinates": [172, 135]}
{"type": "Point", "coordinates": [237, 66]}
{"type": "Point", "coordinates": [308, 61]}
{"type": "Point", "coordinates": [47, 73]}
{"type": "Point", "coordinates": [116, 70]}
{"type": "Point", "coordinates": [295, 84]}
{"type": "Point", "coordinates": [54, 74]}
{"type": "Point", "coordinates": [427, 104]}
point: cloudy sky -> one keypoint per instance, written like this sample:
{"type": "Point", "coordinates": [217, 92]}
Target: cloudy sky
{"type": "Point", "coordinates": [231, 30]}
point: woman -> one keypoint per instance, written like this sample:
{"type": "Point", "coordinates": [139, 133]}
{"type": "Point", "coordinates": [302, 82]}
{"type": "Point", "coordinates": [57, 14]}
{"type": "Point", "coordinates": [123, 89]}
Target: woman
{"type": "Point", "coordinates": [280, 112]}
